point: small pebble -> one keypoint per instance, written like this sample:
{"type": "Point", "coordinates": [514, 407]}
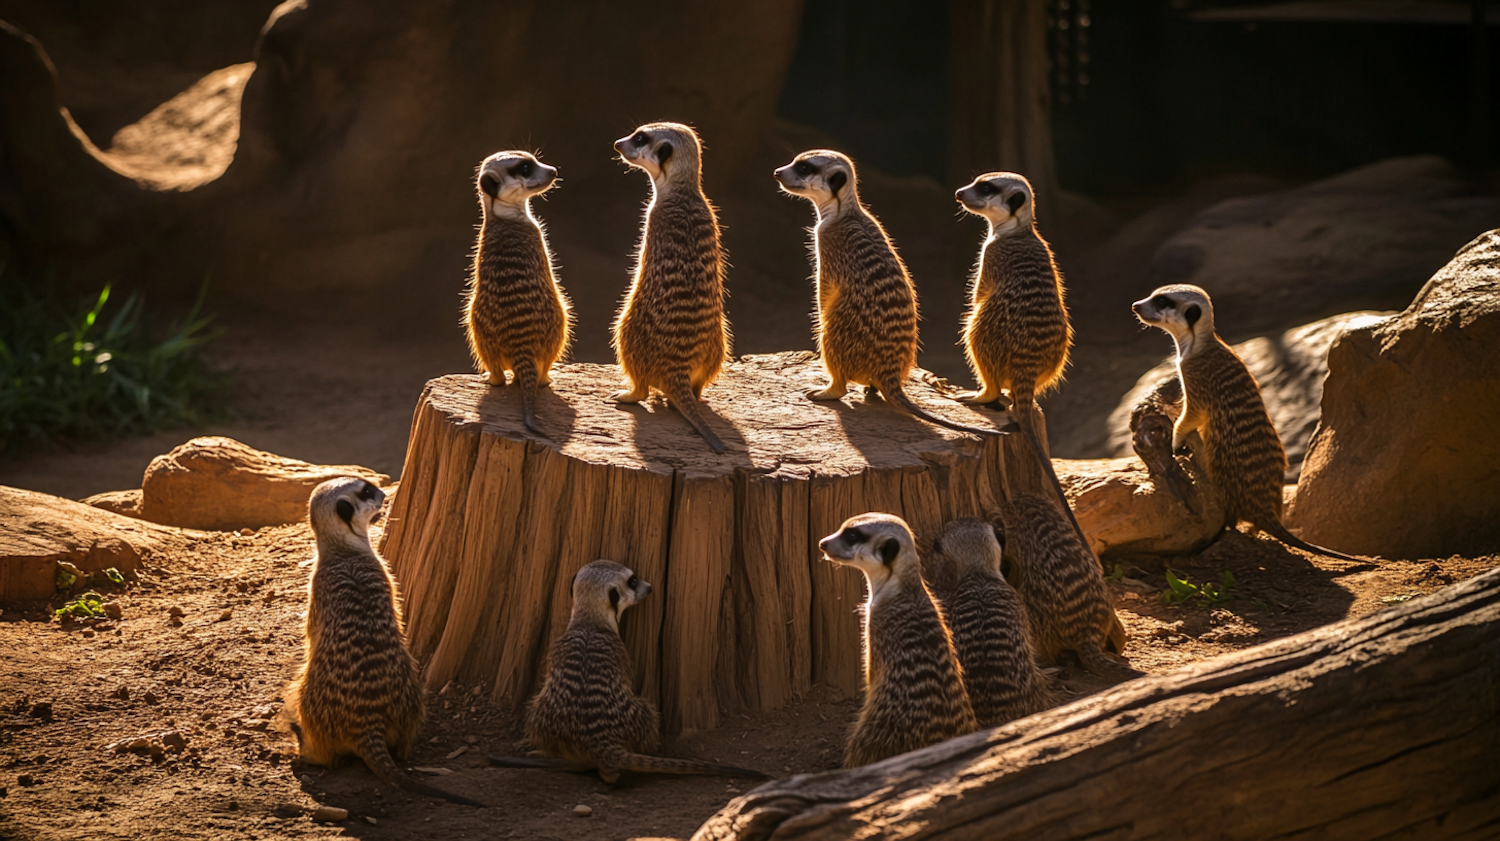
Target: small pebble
{"type": "Point", "coordinates": [175, 621]}
{"type": "Point", "coordinates": [370, 820]}
{"type": "Point", "coordinates": [432, 772]}
{"type": "Point", "coordinates": [88, 633]}
{"type": "Point", "coordinates": [330, 814]}
{"type": "Point", "coordinates": [150, 698]}
{"type": "Point", "coordinates": [174, 610]}
{"type": "Point", "coordinates": [247, 531]}
{"type": "Point", "coordinates": [225, 616]}
{"type": "Point", "coordinates": [459, 752]}
{"type": "Point", "coordinates": [113, 609]}
{"type": "Point", "coordinates": [582, 811]}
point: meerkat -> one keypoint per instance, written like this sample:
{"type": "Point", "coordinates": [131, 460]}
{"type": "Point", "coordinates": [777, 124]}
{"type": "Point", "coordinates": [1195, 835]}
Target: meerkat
{"type": "Point", "coordinates": [1151, 422]}
{"type": "Point", "coordinates": [358, 690]}
{"type": "Point", "coordinates": [914, 685]}
{"type": "Point", "coordinates": [1062, 586]}
{"type": "Point", "coordinates": [586, 716]}
{"type": "Point", "coordinates": [517, 317]}
{"type": "Point", "coordinates": [671, 333]}
{"type": "Point", "coordinates": [866, 306]}
{"type": "Point", "coordinates": [990, 630]}
{"type": "Point", "coordinates": [1016, 333]}
{"type": "Point", "coordinates": [1242, 454]}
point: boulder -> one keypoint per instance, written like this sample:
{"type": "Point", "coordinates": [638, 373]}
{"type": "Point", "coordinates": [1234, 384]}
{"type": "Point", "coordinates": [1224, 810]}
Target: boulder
{"type": "Point", "coordinates": [37, 531]}
{"type": "Point", "coordinates": [1122, 512]}
{"type": "Point", "coordinates": [220, 484]}
{"type": "Point", "coordinates": [1403, 462]}
{"type": "Point", "coordinates": [127, 503]}
{"type": "Point", "coordinates": [1290, 368]}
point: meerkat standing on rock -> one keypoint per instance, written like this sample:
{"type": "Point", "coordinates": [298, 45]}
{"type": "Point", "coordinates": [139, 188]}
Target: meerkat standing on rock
{"type": "Point", "coordinates": [989, 626]}
{"type": "Point", "coordinates": [1062, 585]}
{"type": "Point", "coordinates": [866, 302]}
{"type": "Point", "coordinates": [358, 691]}
{"type": "Point", "coordinates": [517, 316]}
{"type": "Point", "coordinates": [586, 716]}
{"type": "Point", "coordinates": [914, 686]}
{"type": "Point", "coordinates": [1242, 454]}
{"type": "Point", "coordinates": [671, 333]}
{"type": "Point", "coordinates": [1016, 333]}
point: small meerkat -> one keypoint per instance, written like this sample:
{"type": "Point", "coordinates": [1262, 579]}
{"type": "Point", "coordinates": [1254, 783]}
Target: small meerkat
{"type": "Point", "coordinates": [586, 716]}
{"type": "Point", "coordinates": [914, 686]}
{"type": "Point", "coordinates": [866, 317]}
{"type": "Point", "coordinates": [671, 333]}
{"type": "Point", "coordinates": [1242, 454]}
{"type": "Point", "coordinates": [1062, 586]}
{"type": "Point", "coordinates": [517, 317]}
{"type": "Point", "coordinates": [358, 690]}
{"type": "Point", "coordinates": [990, 630]}
{"type": "Point", "coordinates": [1016, 333]}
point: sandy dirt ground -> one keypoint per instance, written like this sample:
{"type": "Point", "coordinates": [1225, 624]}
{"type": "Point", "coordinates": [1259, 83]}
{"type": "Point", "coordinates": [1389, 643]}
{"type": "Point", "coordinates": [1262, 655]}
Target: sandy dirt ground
{"type": "Point", "coordinates": [70, 692]}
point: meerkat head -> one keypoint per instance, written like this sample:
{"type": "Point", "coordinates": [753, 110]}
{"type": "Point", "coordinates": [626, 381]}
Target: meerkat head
{"type": "Point", "coordinates": [508, 180]}
{"type": "Point", "coordinates": [823, 177]}
{"type": "Point", "coordinates": [604, 589]}
{"type": "Point", "coordinates": [668, 152]}
{"type": "Point", "coordinates": [879, 545]}
{"type": "Point", "coordinates": [971, 542]}
{"type": "Point", "coordinates": [341, 511]}
{"type": "Point", "coordinates": [1180, 309]}
{"type": "Point", "coordinates": [1003, 198]}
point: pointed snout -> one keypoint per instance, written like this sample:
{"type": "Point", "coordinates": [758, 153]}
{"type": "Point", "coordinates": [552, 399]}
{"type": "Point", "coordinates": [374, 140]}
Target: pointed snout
{"type": "Point", "coordinates": [825, 542]}
{"type": "Point", "coordinates": [549, 173]}
{"type": "Point", "coordinates": [622, 146]}
{"type": "Point", "coordinates": [1138, 306]}
{"type": "Point", "coordinates": [779, 173]}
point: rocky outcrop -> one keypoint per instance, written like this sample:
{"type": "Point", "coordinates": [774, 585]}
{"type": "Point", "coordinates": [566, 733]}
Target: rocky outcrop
{"type": "Point", "coordinates": [1290, 368]}
{"type": "Point", "coordinates": [1122, 512]}
{"type": "Point", "coordinates": [220, 484]}
{"type": "Point", "coordinates": [37, 531]}
{"type": "Point", "coordinates": [1403, 463]}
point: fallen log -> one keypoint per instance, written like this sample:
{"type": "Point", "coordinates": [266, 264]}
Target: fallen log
{"type": "Point", "coordinates": [493, 521]}
{"type": "Point", "coordinates": [1387, 726]}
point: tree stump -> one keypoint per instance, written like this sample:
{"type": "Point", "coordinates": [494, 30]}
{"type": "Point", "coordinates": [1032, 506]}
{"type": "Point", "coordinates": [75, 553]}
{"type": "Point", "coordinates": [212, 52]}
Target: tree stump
{"type": "Point", "coordinates": [492, 522]}
{"type": "Point", "coordinates": [1378, 727]}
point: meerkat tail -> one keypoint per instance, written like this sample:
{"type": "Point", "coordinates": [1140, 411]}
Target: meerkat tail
{"type": "Point", "coordinates": [642, 764]}
{"type": "Point", "coordinates": [377, 755]}
{"type": "Point", "coordinates": [896, 394]}
{"type": "Point", "coordinates": [1095, 661]}
{"type": "Point", "coordinates": [1275, 529]}
{"type": "Point", "coordinates": [680, 392]}
{"type": "Point", "coordinates": [539, 763]}
{"type": "Point", "coordinates": [526, 377]}
{"type": "Point", "coordinates": [1026, 421]}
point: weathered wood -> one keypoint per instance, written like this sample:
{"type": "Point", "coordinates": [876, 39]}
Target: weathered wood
{"type": "Point", "coordinates": [1386, 726]}
{"type": "Point", "coordinates": [493, 521]}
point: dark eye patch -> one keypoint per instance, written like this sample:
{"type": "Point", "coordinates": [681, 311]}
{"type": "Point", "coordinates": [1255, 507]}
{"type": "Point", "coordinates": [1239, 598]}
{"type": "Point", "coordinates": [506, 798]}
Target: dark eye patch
{"type": "Point", "coordinates": [640, 139]}
{"type": "Point", "coordinates": [803, 168]}
{"type": "Point", "coordinates": [367, 492]}
{"type": "Point", "coordinates": [854, 535]}
{"type": "Point", "coordinates": [524, 169]}
{"type": "Point", "coordinates": [345, 510]}
{"type": "Point", "coordinates": [985, 188]}
{"type": "Point", "coordinates": [1163, 302]}
{"type": "Point", "coordinates": [614, 597]}
{"type": "Point", "coordinates": [632, 582]}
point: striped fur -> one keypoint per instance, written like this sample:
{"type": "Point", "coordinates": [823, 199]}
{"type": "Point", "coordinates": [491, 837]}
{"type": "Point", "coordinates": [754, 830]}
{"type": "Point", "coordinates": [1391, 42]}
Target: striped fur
{"type": "Point", "coordinates": [358, 691]}
{"type": "Point", "coordinates": [518, 319]}
{"type": "Point", "coordinates": [671, 333]}
{"type": "Point", "coordinates": [989, 625]}
{"type": "Point", "coordinates": [1062, 586]}
{"type": "Point", "coordinates": [866, 301]}
{"type": "Point", "coordinates": [586, 716]}
{"type": "Point", "coordinates": [914, 686]}
{"type": "Point", "coordinates": [1242, 454]}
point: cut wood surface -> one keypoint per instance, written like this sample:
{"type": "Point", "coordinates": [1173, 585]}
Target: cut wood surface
{"type": "Point", "coordinates": [492, 522]}
{"type": "Point", "coordinates": [1387, 726]}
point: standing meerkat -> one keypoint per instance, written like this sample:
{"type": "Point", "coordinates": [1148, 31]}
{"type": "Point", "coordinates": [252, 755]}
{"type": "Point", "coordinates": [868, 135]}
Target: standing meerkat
{"type": "Point", "coordinates": [671, 333]}
{"type": "Point", "coordinates": [517, 317]}
{"type": "Point", "coordinates": [866, 302]}
{"type": "Point", "coordinates": [1242, 454]}
{"type": "Point", "coordinates": [358, 691]}
{"type": "Point", "coordinates": [1016, 333]}
{"type": "Point", "coordinates": [989, 626]}
{"type": "Point", "coordinates": [1062, 586]}
{"type": "Point", "coordinates": [586, 716]}
{"type": "Point", "coordinates": [914, 686]}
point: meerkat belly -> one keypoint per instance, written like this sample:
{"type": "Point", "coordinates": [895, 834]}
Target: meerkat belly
{"type": "Point", "coordinates": [864, 341]}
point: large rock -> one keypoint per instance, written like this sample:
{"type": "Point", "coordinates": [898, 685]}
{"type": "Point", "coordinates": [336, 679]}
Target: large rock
{"type": "Point", "coordinates": [217, 483]}
{"type": "Point", "coordinates": [1404, 461]}
{"type": "Point", "coordinates": [1290, 369]}
{"type": "Point", "coordinates": [1122, 512]}
{"type": "Point", "coordinates": [37, 531]}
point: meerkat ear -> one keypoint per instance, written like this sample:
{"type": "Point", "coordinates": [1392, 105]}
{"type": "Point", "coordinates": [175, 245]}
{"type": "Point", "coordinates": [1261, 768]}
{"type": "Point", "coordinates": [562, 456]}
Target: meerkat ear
{"type": "Point", "coordinates": [614, 598]}
{"type": "Point", "coordinates": [345, 508]}
{"type": "Point", "coordinates": [1016, 201]}
{"type": "Point", "coordinates": [889, 550]}
{"type": "Point", "coordinates": [1192, 314]}
{"type": "Point", "coordinates": [837, 181]}
{"type": "Point", "coordinates": [489, 184]}
{"type": "Point", "coordinates": [663, 152]}
{"type": "Point", "coordinates": [937, 545]}
{"type": "Point", "coordinates": [999, 535]}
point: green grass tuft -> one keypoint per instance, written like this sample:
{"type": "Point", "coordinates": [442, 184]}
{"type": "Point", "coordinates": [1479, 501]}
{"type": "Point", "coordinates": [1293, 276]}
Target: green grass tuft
{"type": "Point", "coordinates": [95, 369]}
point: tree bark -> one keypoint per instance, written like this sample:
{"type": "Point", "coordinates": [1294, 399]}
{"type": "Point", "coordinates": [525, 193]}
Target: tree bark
{"type": "Point", "coordinates": [491, 523]}
{"type": "Point", "coordinates": [1379, 727]}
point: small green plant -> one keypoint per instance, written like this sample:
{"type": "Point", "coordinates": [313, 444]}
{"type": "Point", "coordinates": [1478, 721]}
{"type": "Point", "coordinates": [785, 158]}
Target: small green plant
{"type": "Point", "coordinates": [1117, 574]}
{"type": "Point", "coordinates": [87, 606]}
{"type": "Point", "coordinates": [85, 371]}
{"type": "Point", "coordinates": [1404, 597]}
{"type": "Point", "coordinates": [1206, 594]}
